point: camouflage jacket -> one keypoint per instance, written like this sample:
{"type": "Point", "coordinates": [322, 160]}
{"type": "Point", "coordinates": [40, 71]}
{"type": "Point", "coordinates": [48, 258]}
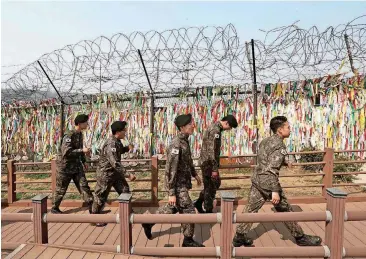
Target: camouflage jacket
{"type": "Point", "coordinates": [110, 156]}
{"type": "Point", "coordinates": [271, 156]}
{"type": "Point", "coordinates": [179, 167]}
{"type": "Point", "coordinates": [211, 147]}
{"type": "Point", "coordinates": [71, 156]}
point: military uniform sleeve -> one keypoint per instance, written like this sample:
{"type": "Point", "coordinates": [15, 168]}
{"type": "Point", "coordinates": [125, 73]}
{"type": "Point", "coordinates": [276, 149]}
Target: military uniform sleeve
{"type": "Point", "coordinates": [111, 154]}
{"type": "Point", "coordinates": [125, 149]}
{"type": "Point", "coordinates": [213, 149]}
{"type": "Point", "coordinates": [193, 170]}
{"type": "Point", "coordinates": [171, 169]}
{"type": "Point", "coordinates": [275, 161]}
{"type": "Point", "coordinates": [67, 150]}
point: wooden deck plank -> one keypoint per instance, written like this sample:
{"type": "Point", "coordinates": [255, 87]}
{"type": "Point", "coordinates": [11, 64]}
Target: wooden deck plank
{"type": "Point", "coordinates": [65, 230]}
{"type": "Point", "coordinates": [48, 253]}
{"type": "Point", "coordinates": [357, 206]}
{"type": "Point", "coordinates": [62, 254]}
{"type": "Point", "coordinates": [74, 237]}
{"type": "Point", "coordinates": [137, 228]}
{"type": "Point", "coordinates": [107, 256]}
{"type": "Point", "coordinates": [349, 236]}
{"type": "Point", "coordinates": [91, 255]}
{"type": "Point", "coordinates": [35, 252]}
{"type": "Point", "coordinates": [97, 231]}
{"type": "Point", "coordinates": [23, 252]}
{"type": "Point", "coordinates": [77, 254]}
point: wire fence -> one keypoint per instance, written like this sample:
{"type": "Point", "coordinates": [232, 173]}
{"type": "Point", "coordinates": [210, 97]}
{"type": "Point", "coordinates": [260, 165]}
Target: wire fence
{"type": "Point", "coordinates": [181, 59]}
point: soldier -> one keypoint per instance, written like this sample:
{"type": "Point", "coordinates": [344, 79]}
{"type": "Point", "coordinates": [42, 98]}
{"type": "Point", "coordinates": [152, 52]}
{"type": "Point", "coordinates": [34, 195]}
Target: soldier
{"type": "Point", "coordinates": [210, 162]}
{"type": "Point", "coordinates": [71, 165]}
{"type": "Point", "coordinates": [110, 171]}
{"type": "Point", "coordinates": [266, 185]}
{"type": "Point", "coordinates": [178, 173]}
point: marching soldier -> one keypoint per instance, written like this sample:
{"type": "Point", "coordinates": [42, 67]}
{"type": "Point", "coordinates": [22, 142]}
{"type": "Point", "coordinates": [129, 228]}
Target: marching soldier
{"type": "Point", "coordinates": [70, 165]}
{"type": "Point", "coordinates": [210, 162]}
{"type": "Point", "coordinates": [110, 171]}
{"type": "Point", "coordinates": [266, 185]}
{"type": "Point", "coordinates": [178, 173]}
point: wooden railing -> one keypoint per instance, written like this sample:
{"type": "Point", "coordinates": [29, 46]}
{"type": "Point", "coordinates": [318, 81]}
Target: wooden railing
{"type": "Point", "coordinates": [154, 165]}
{"type": "Point", "coordinates": [334, 218]}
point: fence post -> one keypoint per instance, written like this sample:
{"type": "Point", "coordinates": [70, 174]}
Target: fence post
{"type": "Point", "coordinates": [328, 170]}
{"type": "Point", "coordinates": [53, 176]}
{"type": "Point", "coordinates": [334, 230]}
{"type": "Point", "coordinates": [125, 227]}
{"type": "Point", "coordinates": [227, 204]}
{"type": "Point", "coordinates": [154, 179]}
{"type": "Point", "coordinates": [12, 196]}
{"type": "Point", "coordinates": [40, 227]}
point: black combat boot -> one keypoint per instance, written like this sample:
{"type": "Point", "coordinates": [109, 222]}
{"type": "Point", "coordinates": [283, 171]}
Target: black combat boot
{"type": "Point", "coordinates": [56, 211]}
{"type": "Point", "coordinates": [198, 205]}
{"type": "Point", "coordinates": [101, 224]}
{"type": "Point", "coordinates": [190, 242]}
{"type": "Point", "coordinates": [308, 240]}
{"type": "Point", "coordinates": [147, 230]}
{"type": "Point", "coordinates": [242, 240]}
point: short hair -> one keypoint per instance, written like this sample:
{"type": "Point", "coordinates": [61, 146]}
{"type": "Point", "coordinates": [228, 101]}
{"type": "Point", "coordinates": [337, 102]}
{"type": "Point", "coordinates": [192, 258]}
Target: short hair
{"type": "Point", "coordinates": [231, 120]}
{"type": "Point", "coordinates": [277, 122]}
{"type": "Point", "coordinates": [81, 118]}
{"type": "Point", "coordinates": [183, 120]}
{"type": "Point", "coordinates": [118, 126]}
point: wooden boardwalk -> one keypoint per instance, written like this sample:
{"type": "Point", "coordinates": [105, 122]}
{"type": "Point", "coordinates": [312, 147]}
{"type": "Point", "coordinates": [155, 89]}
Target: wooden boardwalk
{"type": "Point", "coordinates": [264, 235]}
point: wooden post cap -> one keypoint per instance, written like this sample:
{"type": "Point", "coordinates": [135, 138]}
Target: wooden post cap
{"type": "Point", "coordinates": [39, 197]}
{"type": "Point", "coordinates": [228, 196]}
{"type": "Point", "coordinates": [125, 197]}
{"type": "Point", "coordinates": [336, 193]}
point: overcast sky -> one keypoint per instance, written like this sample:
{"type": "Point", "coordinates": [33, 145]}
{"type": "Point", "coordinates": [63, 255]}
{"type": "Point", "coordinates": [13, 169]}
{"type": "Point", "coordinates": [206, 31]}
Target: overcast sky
{"type": "Point", "coordinates": [31, 29]}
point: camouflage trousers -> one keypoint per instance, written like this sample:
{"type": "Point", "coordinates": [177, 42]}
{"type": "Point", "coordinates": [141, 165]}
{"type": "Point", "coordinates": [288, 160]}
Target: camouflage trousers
{"type": "Point", "coordinates": [210, 186]}
{"type": "Point", "coordinates": [105, 182]}
{"type": "Point", "coordinates": [256, 200]}
{"type": "Point", "coordinates": [63, 180]}
{"type": "Point", "coordinates": [183, 205]}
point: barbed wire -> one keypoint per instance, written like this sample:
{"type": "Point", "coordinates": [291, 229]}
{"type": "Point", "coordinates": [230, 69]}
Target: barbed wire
{"type": "Point", "coordinates": [189, 58]}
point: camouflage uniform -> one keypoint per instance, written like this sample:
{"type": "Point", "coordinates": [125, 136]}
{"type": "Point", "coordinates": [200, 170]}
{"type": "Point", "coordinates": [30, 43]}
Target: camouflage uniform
{"type": "Point", "coordinates": [110, 172]}
{"type": "Point", "coordinates": [70, 167]}
{"type": "Point", "coordinates": [271, 156]}
{"type": "Point", "coordinates": [178, 173]}
{"type": "Point", "coordinates": [210, 162]}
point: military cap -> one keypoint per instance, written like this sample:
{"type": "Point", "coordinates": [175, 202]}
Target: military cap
{"type": "Point", "coordinates": [81, 118]}
{"type": "Point", "coordinates": [183, 120]}
{"type": "Point", "coordinates": [118, 126]}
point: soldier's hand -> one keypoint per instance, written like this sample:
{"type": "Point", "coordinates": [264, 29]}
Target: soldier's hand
{"type": "Point", "coordinates": [275, 198]}
{"type": "Point", "coordinates": [130, 147]}
{"type": "Point", "coordinates": [132, 177]}
{"type": "Point", "coordinates": [86, 150]}
{"type": "Point", "coordinates": [172, 200]}
{"type": "Point", "coordinates": [199, 181]}
{"type": "Point", "coordinates": [215, 175]}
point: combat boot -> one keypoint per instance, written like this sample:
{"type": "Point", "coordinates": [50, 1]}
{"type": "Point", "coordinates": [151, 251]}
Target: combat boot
{"type": "Point", "coordinates": [147, 230]}
{"type": "Point", "coordinates": [242, 240]}
{"type": "Point", "coordinates": [308, 240]}
{"type": "Point", "coordinates": [190, 242]}
{"type": "Point", "coordinates": [56, 211]}
{"type": "Point", "coordinates": [198, 205]}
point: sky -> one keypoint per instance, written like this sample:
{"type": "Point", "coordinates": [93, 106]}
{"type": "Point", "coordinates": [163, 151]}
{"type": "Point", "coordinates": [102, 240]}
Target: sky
{"type": "Point", "coordinates": [31, 29]}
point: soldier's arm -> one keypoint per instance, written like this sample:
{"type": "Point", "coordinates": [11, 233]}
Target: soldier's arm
{"type": "Point", "coordinates": [275, 160]}
{"type": "Point", "coordinates": [213, 148]}
{"type": "Point", "coordinates": [125, 149]}
{"type": "Point", "coordinates": [67, 150]}
{"type": "Point", "coordinates": [83, 156]}
{"type": "Point", "coordinates": [171, 169]}
{"type": "Point", "coordinates": [111, 154]}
